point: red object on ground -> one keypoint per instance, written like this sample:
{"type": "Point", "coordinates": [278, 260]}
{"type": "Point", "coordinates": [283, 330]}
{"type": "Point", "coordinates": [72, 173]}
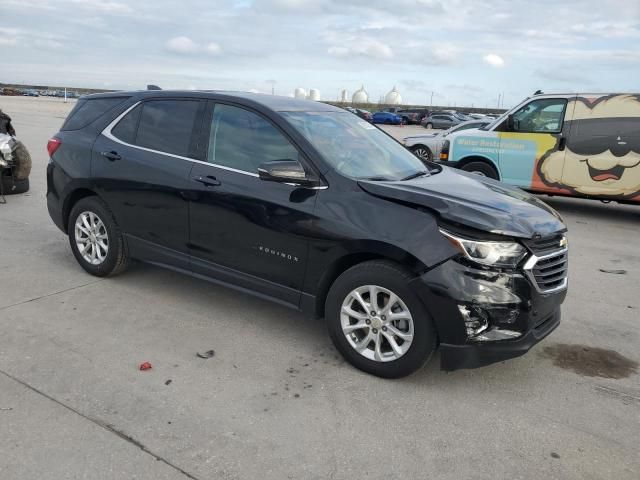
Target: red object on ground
{"type": "Point", "coordinates": [145, 366]}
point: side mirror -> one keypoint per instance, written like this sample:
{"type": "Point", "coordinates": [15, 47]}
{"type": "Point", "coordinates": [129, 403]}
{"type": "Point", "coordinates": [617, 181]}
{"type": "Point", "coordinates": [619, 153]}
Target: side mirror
{"type": "Point", "coordinates": [511, 123]}
{"type": "Point", "coordinates": [286, 171]}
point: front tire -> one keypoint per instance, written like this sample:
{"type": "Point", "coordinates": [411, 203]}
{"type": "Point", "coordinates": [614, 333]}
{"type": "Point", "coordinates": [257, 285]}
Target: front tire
{"type": "Point", "coordinates": [429, 126]}
{"type": "Point", "coordinates": [377, 322]}
{"type": "Point", "coordinates": [481, 168]}
{"type": "Point", "coordinates": [95, 238]}
{"type": "Point", "coordinates": [422, 152]}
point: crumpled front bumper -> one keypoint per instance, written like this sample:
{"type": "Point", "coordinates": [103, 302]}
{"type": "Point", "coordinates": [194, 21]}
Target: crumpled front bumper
{"type": "Point", "coordinates": [474, 355]}
{"type": "Point", "coordinates": [450, 285]}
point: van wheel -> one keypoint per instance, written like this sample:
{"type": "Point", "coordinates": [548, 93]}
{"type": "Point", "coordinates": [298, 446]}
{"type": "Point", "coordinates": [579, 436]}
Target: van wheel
{"type": "Point", "coordinates": [95, 238]}
{"type": "Point", "coordinates": [481, 168]}
{"type": "Point", "coordinates": [377, 322]}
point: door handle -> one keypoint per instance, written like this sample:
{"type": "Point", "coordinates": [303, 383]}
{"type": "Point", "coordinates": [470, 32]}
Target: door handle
{"type": "Point", "coordinates": [562, 143]}
{"type": "Point", "coordinates": [111, 156]}
{"type": "Point", "coordinates": [208, 181]}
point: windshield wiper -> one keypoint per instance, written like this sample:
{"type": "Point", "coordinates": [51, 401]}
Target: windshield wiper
{"type": "Point", "coordinates": [416, 175]}
{"type": "Point", "coordinates": [378, 178]}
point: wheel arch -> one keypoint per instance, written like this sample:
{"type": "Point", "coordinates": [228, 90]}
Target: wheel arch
{"type": "Point", "coordinates": [479, 158]}
{"type": "Point", "coordinates": [373, 251]}
{"type": "Point", "coordinates": [71, 199]}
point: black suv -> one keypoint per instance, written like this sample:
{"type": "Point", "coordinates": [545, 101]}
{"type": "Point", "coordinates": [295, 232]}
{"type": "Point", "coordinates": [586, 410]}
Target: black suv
{"type": "Point", "coordinates": [312, 207]}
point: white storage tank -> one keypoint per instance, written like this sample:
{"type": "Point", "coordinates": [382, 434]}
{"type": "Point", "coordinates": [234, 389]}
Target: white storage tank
{"type": "Point", "coordinates": [393, 97]}
{"type": "Point", "coordinates": [360, 96]}
{"type": "Point", "coordinates": [314, 94]}
{"type": "Point", "coordinates": [300, 93]}
{"type": "Point", "coordinates": [344, 96]}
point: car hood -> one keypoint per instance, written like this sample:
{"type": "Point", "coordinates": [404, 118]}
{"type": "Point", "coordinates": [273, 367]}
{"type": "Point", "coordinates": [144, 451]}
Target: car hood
{"type": "Point", "coordinates": [426, 135]}
{"type": "Point", "coordinates": [473, 201]}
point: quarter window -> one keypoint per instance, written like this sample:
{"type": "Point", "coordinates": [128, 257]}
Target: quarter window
{"type": "Point", "coordinates": [125, 130]}
{"type": "Point", "coordinates": [167, 125]}
{"type": "Point", "coordinates": [242, 140]}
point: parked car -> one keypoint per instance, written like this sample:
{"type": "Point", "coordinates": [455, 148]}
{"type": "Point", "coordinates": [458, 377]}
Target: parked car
{"type": "Point", "coordinates": [427, 146]}
{"type": "Point", "coordinates": [364, 114]}
{"type": "Point", "coordinates": [579, 145]}
{"type": "Point", "coordinates": [302, 203]}
{"type": "Point", "coordinates": [387, 118]}
{"type": "Point", "coordinates": [409, 115]}
{"type": "Point", "coordinates": [441, 120]}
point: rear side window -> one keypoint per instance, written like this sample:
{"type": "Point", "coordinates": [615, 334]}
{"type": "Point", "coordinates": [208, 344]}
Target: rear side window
{"type": "Point", "coordinates": [167, 125]}
{"type": "Point", "coordinates": [126, 128]}
{"type": "Point", "coordinates": [86, 111]}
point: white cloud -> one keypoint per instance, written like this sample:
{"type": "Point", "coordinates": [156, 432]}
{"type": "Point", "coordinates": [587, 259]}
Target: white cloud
{"type": "Point", "coordinates": [213, 49]}
{"type": "Point", "coordinates": [8, 41]}
{"type": "Point", "coordinates": [181, 45]}
{"type": "Point", "coordinates": [494, 60]}
{"type": "Point", "coordinates": [351, 46]}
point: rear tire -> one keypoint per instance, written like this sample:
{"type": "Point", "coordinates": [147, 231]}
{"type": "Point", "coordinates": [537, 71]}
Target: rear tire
{"type": "Point", "coordinates": [411, 331]}
{"type": "Point", "coordinates": [11, 186]}
{"type": "Point", "coordinates": [481, 168]}
{"type": "Point", "coordinates": [95, 238]}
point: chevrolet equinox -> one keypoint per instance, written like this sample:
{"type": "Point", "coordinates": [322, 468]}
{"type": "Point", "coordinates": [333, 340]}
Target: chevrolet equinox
{"type": "Point", "coordinates": [312, 207]}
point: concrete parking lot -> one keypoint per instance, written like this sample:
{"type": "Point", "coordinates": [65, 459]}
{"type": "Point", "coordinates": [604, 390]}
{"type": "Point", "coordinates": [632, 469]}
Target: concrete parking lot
{"type": "Point", "coordinates": [276, 400]}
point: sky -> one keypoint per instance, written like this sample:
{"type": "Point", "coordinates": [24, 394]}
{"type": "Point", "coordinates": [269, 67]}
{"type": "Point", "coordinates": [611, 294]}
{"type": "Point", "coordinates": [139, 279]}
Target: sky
{"type": "Point", "coordinates": [463, 52]}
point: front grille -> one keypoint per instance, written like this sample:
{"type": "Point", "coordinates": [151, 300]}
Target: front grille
{"type": "Point", "coordinates": [549, 272]}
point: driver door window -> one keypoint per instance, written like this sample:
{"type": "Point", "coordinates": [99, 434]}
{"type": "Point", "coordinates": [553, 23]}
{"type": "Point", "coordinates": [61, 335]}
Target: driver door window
{"type": "Point", "coordinates": [540, 116]}
{"type": "Point", "coordinates": [242, 140]}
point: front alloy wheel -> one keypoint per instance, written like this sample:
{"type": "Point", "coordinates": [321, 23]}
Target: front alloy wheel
{"type": "Point", "coordinates": [423, 153]}
{"type": "Point", "coordinates": [377, 323]}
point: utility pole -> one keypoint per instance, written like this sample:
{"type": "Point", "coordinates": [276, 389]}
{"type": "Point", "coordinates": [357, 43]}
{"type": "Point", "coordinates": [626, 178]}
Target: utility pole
{"type": "Point", "coordinates": [273, 86]}
{"type": "Point", "coordinates": [499, 99]}
{"type": "Point", "coordinates": [431, 102]}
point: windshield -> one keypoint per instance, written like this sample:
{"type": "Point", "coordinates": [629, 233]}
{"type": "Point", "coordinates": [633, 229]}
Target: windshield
{"type": "Point", "coordinates": [354, 147]}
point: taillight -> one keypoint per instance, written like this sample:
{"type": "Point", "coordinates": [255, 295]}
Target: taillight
{"type": "Point", "coordinates": [444, 151]}
{"type": "Point", "coordinates": [53, 145]}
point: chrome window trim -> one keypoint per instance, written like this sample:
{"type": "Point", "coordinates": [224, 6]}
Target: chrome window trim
{"type": "Point", "coordinates": [107, 133]}
{"type": "Point", "coordinates": [532, 262]}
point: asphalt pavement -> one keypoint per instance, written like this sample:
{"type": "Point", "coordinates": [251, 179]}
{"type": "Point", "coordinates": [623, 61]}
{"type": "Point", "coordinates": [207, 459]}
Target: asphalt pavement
{"type": "Point", "coordinates": [276, 401]}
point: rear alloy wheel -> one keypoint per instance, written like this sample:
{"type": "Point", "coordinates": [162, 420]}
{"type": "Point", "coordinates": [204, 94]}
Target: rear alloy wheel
{"type": "Point", "coordinates": [377, 322]}
{"type": "Point", "coordinates": [422, 152]}
{"type": "Point", "coordinates": [95, 238]}
{"type": "Point", "coordinates": [481, 168]}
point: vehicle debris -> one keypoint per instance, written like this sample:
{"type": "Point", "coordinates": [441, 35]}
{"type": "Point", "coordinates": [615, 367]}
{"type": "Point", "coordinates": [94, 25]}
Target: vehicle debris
{"type": "Point", "coordinates": [206, 355]}
{"type": "Point", "coordinates": [145, 366]}
{"type": "Point", "coordinates": [615, 272]}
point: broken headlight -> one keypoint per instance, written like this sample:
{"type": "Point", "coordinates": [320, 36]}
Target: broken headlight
{"type": "Point", "coordinates": [505, 254]}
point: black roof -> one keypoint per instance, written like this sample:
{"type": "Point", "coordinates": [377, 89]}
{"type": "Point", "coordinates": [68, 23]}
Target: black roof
{"type": "Point", "coordinates": [273, 102]}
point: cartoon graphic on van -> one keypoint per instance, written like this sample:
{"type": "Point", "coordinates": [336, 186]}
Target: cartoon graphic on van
{"type": "Point", "coordinates": [575, 145]}
{"type": "Point", "coordinates": [602, 150]}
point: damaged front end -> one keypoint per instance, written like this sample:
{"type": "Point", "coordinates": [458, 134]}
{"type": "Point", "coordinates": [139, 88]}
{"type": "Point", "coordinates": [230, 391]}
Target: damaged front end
{"type": "Point", "coordinates": [15, 161]}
